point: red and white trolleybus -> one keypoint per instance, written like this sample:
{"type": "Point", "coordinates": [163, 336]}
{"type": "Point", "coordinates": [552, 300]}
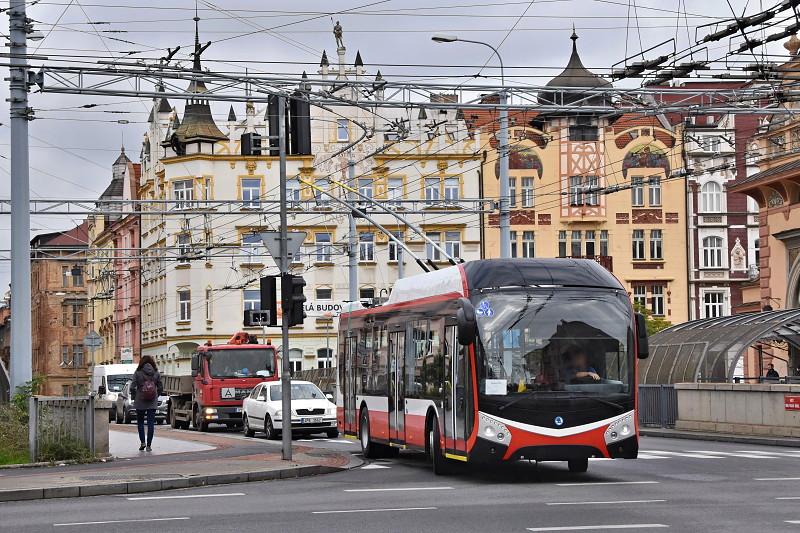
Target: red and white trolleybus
{"type": "Point", "coordinates": [495, 360]}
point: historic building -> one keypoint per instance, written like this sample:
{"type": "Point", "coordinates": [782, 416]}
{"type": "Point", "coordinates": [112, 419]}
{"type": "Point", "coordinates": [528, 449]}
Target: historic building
{"type": "Point", "coordinates": [58, 302]}
{"type": "Point", "coordinates": [589, 186]}
{"type": "Point", "coordinates": [113, 284]}
{"type": "Point", "coordinates": [203, 261]}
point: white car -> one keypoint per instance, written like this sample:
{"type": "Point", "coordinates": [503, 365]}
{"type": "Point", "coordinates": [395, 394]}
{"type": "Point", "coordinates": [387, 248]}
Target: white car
{"type": "Point", "coordinates": [312, 411]}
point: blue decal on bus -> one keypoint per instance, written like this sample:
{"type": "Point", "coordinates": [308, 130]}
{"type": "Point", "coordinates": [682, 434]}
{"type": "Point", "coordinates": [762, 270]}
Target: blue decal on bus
{"type": "Point", "coordinates": [485, 309]}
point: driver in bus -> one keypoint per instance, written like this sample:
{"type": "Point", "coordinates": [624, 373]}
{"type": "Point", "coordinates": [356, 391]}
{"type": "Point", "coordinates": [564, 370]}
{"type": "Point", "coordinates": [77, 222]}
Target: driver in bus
{"type": "Point", "coordinates": [578, 367]}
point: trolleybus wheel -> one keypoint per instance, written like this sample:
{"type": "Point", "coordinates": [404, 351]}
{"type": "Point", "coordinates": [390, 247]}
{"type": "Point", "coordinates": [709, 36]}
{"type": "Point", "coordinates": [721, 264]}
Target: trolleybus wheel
{"type": "Point", "coordinates": [440, 466]}
{"type": "Point", "coordinates": [370, 449]}
{"type": "Point", "coordinates": [578, 465]}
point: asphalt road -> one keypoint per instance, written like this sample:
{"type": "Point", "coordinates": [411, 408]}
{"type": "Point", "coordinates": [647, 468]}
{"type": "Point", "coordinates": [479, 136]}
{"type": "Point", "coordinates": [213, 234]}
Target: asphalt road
{"type": "Point", "coordinates": [678, 485]}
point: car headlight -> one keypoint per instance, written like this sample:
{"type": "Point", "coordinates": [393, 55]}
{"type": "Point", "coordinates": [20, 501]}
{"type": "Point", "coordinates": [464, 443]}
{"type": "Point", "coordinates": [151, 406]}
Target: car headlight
{"type": "Point", "coordinates": [211, 410]}
{"type": "Point", "coordinates": [493, 430]}
{"type": "Point", "coordinates": [620, 429]}
{"type": "Point", "coordinates": [112, 396]}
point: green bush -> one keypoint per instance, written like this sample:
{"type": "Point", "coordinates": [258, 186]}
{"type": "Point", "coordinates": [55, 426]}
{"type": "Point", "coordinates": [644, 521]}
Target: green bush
{"type": "Point", "coordinates": [13, 435]}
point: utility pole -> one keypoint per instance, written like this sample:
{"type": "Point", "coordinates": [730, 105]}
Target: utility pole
{"type": "Point", "coordinates": [286, 306]}
{"type": "Point", "coordinates": [505, 216]}
{"type": "Point", "coordinates": [352, 252]}
{"type": "Point", "coordinates": [21, 343]}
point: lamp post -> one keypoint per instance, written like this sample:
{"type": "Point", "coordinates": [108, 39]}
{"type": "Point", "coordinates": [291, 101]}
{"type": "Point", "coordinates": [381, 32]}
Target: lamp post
{"type": "Point", "coordinates": [502, 139]}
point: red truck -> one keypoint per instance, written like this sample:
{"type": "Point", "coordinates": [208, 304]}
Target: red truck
{"type": "Point", "coordinates": [222, 377]}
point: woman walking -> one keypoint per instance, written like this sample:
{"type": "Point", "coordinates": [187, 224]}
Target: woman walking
{"type": "Point", "coordinates": [146, 387]}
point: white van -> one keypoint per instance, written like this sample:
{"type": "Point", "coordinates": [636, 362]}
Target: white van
{"type": "Point", "coordinates": [108, 381]}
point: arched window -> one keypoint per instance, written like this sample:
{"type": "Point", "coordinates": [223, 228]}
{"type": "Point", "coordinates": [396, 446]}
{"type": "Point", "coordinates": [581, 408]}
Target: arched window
{"type": "Point", "coordinates": [712, 252]}
{"type": "Point", "coordinates": [324, 358]}
{"type": "Point", "coordinates": [711, 197]}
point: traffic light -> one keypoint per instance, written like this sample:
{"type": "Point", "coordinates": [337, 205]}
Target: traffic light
{"type": "Point", "coordinates": [293, 299]}
{"type": "Point", "coordinates": [251, 144]}
{"type": "Point", "coordinates": [269, 300]}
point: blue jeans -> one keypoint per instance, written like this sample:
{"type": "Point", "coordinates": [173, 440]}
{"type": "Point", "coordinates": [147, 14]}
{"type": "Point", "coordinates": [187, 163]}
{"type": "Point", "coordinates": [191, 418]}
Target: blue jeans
{"type": "Point", "coordinates": [151, 422]}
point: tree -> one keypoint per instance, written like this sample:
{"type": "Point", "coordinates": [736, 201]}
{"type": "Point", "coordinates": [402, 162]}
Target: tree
{"type": "Point", "coordinates": [654, 323]}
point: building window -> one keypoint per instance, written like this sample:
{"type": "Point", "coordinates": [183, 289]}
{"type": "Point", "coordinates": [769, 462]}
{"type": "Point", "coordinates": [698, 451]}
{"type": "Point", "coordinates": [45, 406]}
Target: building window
{"type": "Point", "coordinates": [324, 293]}
{"type": "Point", "coordinates": [576, 244]}
{"type": "Point", "coordinates": [73, 315]}
{"type": "Point", "coordinates": [252, 299]}
{"type": "Point", "coordinates": [713, 304]}
{"type": "Point", "coordinates": [324, 357]}
{"type": "Point", "coordinates": [323, 244]}
{"type": "Point", "coordinates": [365, 188]}
{"type": "Point", "coordinates": [184, 305]}
{"type": "Point", "coordinates": [321, 192]}
{"type": "Point", "coordinates": [292, 190]}
{"type": "Point", "coordinates": [757, 250]}
{"type": "Point", "coordinates": [638, 244]}
{"type": "Point", "coordinates": [77, 275]}
{"type": "Point", "coordinates": [710, 143]}
{"type": "Point", "coordinates": [366, 293]}
{"type": "Point", "coordinates": [575, 191]}
{"type": "Point", "coordinates": [712, 252]}
{"type": "Point", "coordinates": [207, 189]}
{"type": "Point", "coordinates": [592, 195]}
{"type": "Point", "coordinates": [527, 192]}
{"type": "Point", "coordinates": [342, 130]}
{"type": "Point", "coordinates": [512, 236]}
{"type": "Point", "coordinates": [432, 253]}
{"type": "Point", "coordinates": [604, 242]}
{"type": "Point", "coordinates": [656, 248]}
{"type": "Point", "coordinates": [711, 197]}
{"type": "Point", "coordinates": [528, 244]}
{"type": "Point", "coordinates": [395, 190]}
{"type": "Point", "coordinates": [654, 190]}
{"type": "Point", "coordinates": [252, 247]}
{"type": "Point", "coordinates": [184, 243]}
{"type": "Point", "coordinates": [562, 243]}
{"type": "Point", "coordinates": [65, 358]}
{"type": "Point", "coordinates": [431, 190]}
{"type": "Point", "coordinates": [65, 275]}
{"type": "Point", "coordinates": [657, 300]}
{"type": "Point", "coordinates": [366, 247]}
{"type": "Point", "coordinates": [583, 130]}
{"type": "Point", "coordinates": [295, 360]}
{"type": "Point", "coordinates": [209, 310]}
{"type": "Point", "coordinates": [452, 243]}
{"type": "Point", "coordinates": [451, 189]}
{"type": "Point", "coordinates": [640, 297]}
{"type": "Point", "coordinates": [394, 248]}
{"type": "Point", "coordinates": [590, 243]}
{"type": "Point", "coordinates": [183, 194]}
{"type": "Point", "coordinates": [251, 193]}
{"type": "Point", "coordinates": [637, 191]}
{"type": "Point", "coordinates": [77, 355]}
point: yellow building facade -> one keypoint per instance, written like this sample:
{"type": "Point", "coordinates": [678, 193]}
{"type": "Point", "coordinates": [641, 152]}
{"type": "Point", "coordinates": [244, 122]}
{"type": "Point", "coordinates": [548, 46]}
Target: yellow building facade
{"type": "Point", "coordinates": [584, 186]}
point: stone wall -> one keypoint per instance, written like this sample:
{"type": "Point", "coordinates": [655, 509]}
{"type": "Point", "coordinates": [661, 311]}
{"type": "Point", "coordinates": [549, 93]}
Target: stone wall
{"type": "Point", "coordinates": [737, 408]}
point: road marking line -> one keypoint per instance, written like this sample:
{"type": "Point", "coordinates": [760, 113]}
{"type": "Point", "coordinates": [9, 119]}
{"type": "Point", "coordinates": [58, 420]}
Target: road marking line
{"type": "Point", "coordinates": [589, 528]}
{"type": "Point", "coordinates": [121, 521]}
{"type": "Point", "coordinates": [373, 467]}
{"type": "Point", "coordinates": [618, 502]}
{"type": "Point", "coordinates": [376, 510]}
{"type": "Point", "coordinates": [731, 454]}
{"type": "Point", "coordinates": [590, 483]}
{"type": "Point", "coordinates": [397, 489]}
{"type": "Point", "coordinates": [185, 496]}
{"type": "Point", "coordinates": [776, 479]}
{"type": "Point", "coordinates": [779, 454]}
{"type": "Point", "coordinates": [685, 454]}
{"type": "Point", "coordinates": [788, 498]}
{"type": "Point", "coordinates": [793, 521]}
{"type": "Point", "coordinates": [648, 456]}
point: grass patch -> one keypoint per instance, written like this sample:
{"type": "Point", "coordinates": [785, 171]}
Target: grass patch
{"type": "Point", "coordinates": [13, 457]}
{"type": "Point", "coordinates": [13, 435]}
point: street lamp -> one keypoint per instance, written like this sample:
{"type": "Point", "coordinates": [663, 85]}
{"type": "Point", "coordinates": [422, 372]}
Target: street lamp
{"type": "Point", "coordinates": [502, 138]}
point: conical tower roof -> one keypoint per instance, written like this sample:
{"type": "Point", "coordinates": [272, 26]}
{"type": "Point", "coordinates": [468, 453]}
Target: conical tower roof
{"type": "Point", "coordinates": [575, 75]}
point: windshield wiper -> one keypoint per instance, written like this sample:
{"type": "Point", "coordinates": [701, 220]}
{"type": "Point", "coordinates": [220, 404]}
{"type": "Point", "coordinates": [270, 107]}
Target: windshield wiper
{"type": "Point", "coordinates": [571, 397]}
{"type": "Point", "coordinates": [519, 399]}
{"type": "Point", "coordinates": [600, 400]}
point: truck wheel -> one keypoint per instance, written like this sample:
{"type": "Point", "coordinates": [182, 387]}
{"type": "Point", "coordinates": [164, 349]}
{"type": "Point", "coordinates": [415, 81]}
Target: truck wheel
{"type": "Point", "coordinates": [199, 423]}
{"type": "Point", "coordinates": [578, 466]}
{"type": "Point", "coordinates": [248, 431]}
{"type": "Point", "coordinates": [173, 422]}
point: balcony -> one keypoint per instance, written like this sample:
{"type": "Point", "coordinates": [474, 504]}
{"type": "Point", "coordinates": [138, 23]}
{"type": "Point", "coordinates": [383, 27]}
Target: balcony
{"type": "Point", "coordinates": [606, 261]}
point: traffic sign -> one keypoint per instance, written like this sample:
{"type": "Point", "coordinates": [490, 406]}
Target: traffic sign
{"type": "Point", "coordinates": [256, 317]}
{"type": "Point", "coordinates": [92, 340]}
{"type": "Point", "coordinates": [272, 240]}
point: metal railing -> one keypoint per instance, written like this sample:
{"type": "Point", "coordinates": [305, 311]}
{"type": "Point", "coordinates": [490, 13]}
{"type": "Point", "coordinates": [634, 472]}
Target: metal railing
{"type": "Point", "coordinates": [658, 405]}
{"type": "Point", "coordinates": [56, 419]}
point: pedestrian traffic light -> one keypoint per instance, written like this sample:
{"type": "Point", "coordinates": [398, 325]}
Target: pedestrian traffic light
{"type": "Point", "coordinates": [269, 299]}
{"type": "Point", "coordinates": [293, 299]}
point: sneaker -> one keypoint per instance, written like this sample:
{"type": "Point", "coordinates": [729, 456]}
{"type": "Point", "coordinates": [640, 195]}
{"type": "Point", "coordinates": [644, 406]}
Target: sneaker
{"type": "Point", "coordinates": [149, 449]}
{"type": "Point", "coordinates": [141, 447]}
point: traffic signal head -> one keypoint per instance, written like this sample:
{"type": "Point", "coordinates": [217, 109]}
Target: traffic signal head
{"type": "Point", "coordinates": [293, 299]}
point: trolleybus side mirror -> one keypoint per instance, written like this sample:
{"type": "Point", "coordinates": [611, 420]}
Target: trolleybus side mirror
{"type": "Point", "coordinates": [642, 344]}
{"type": "Point", "coordinates": [467, 326]}
{"type": "Point", "coordinates": [195, 364]}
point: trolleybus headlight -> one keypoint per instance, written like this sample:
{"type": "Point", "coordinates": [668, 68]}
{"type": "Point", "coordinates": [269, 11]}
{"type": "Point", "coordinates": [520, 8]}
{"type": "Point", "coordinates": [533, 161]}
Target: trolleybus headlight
{"type": "Point", "coordinates": [621, 428]}
{"type": "Point", "coordinates": [493, 430]}
{"type": "Point", "coordinates": [489, 432]}
{"type": "Point", "coordinates": [625, 430]}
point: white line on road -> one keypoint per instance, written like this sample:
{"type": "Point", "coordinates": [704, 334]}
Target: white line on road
{"type": "Point", "coordinates": [685, 454]}
{"type": "Point", "coordinates": [618, 502]}
{"type": "Point", "coordinates": [396, 489]}
{"type": "Point", "coordinates": [776, 479]}
{"type": "Point", "coordinates": [793, 521]}
{"type": "Point", "coordinates": [795, 454]}
{"type": "Point", "coordinates": [121, 521]}
{"type": "Point", "coordinates": [590, 483]}
{"type": "Point", "coordinates": [184, 497]}
{"type": "Point", "coordinates": [788, 498]}
{"type": "Point", "coordinates": [593, 528]}
{"type": "Point", "coordinates": [375, 510]}
{"type": "Point", "coordinates": [730, 454]}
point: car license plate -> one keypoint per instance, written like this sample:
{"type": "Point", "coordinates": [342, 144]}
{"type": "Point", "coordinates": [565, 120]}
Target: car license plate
{"type": "Point", "coordinates": [238, 409]}
{"type": "Point", "coordinates": [311, 420]}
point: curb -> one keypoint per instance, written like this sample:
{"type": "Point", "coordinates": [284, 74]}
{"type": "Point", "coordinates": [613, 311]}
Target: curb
{"type": "Point", "coordinates": [722, 437]}
{"type": "Point", "coordinates": [138, 487]}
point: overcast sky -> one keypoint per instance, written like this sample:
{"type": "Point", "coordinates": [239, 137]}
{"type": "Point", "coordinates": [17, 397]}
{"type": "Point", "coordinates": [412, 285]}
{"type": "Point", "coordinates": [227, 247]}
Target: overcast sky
{"type": "Point", "coordinates": [72, 149]}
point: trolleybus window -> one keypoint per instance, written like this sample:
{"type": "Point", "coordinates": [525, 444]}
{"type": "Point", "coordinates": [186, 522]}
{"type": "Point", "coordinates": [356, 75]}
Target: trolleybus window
{"type": "Point", "coordinates": [553, 340]}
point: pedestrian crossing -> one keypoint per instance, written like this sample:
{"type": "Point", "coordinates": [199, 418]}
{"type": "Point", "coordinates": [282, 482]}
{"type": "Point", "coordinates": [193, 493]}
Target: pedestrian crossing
{"type": "Point", "coordinates": [713, 454]}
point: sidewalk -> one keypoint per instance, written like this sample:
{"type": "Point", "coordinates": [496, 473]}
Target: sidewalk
{"type": "Point", "coordinates": [179, 460]}
{"type": "Point", "coordinates": [720, 437]}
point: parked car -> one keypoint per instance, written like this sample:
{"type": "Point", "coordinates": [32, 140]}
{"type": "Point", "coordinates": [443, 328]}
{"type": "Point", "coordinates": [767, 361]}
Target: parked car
{"type": "Point", "coordinates": [125, 413]}
{"type": "Point", "coordinates": [312, 410]}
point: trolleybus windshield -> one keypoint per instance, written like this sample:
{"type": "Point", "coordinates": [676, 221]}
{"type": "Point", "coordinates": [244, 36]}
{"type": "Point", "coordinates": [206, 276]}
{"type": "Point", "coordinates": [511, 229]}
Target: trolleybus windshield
{"type": "Point", "coordinates": [554, 342]}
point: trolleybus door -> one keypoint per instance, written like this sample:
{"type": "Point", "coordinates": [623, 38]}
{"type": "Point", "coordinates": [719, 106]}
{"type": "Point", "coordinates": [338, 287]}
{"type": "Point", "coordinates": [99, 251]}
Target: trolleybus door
{"type": "Point", "coordinates": [349, 389]}
{"type": "Point", "coordinates": [396, 383]}
{"type": "Point", "coordinates": [455, 393]}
